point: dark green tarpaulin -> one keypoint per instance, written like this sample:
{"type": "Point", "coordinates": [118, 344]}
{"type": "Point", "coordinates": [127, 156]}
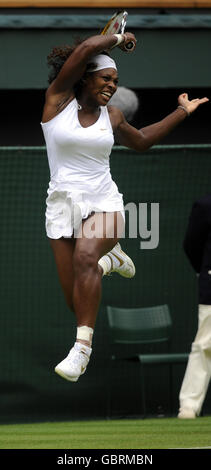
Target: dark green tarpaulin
{"type": "Point", "coordinates": [172, 50]}
{"type": "Point", "coordinates": [87, 21]}
{"type": "Point", "coordinates": [36, 328]}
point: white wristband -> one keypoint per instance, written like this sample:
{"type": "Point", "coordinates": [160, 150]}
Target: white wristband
{"type": "Point", "coordinates": [183, 107]}
{"type": "Point", "coordinates": [120, 39]}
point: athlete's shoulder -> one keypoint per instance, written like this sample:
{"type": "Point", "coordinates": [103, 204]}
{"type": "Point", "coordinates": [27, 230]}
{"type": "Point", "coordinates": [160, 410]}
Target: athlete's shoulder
{"type": "Point", "coordinates": [116, 116]}
{"type": "Point", "coordinates": [114, 110]}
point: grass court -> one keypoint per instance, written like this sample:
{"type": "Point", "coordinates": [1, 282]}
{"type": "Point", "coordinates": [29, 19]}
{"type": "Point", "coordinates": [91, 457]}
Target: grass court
{"type": "Point", "coordinates": [163, 433]}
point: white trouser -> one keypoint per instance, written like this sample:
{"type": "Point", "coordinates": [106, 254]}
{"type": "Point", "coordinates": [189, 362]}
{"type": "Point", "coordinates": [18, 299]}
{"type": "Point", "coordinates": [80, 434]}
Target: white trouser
{"type": "Point", "coordinates": [198, 371]}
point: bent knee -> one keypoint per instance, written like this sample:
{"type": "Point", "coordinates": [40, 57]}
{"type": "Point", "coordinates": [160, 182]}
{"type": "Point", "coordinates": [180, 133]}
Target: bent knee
{"type": "Point", "coordinates": [85, 260]}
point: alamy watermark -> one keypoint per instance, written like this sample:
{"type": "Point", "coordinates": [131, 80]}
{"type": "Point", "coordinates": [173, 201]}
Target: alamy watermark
{"type": "Point", "coordinates": [143, 223]}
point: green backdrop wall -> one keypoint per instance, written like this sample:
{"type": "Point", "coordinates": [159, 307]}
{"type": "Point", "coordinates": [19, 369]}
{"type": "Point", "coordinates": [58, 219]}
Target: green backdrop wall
{"type": "Point", "coordinates": [172, 49]}
{"type": "Point", "coordinates": [36, 328]}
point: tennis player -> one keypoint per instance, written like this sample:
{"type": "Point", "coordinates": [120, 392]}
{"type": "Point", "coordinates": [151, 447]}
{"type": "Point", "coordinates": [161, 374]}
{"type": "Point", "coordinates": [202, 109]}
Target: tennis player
{"type": "Point", "coordinates": [79, 129]}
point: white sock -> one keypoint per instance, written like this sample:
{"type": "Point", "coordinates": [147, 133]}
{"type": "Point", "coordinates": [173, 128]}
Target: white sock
{"type": "Point", "coordinates": [106, 264]}
{"type": "Point", "coordinates": [109, 262]}
{"type": "Point", "coordinates": [85, 333]}
{"type": "Point", "coordinates": [83, 348]}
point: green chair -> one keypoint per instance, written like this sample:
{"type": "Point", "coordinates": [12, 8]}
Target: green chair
{"type": "Point", "coordinates": [132, 329]}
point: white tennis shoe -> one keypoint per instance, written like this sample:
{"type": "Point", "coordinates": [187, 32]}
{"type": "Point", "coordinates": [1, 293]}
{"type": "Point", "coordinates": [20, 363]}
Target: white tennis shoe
{"type": "Point", "coordinates": [121, 263]}
{"type": "Point", "coordinates": [75, 363]}
{"type": "Point", "coordinates": [186, 413]}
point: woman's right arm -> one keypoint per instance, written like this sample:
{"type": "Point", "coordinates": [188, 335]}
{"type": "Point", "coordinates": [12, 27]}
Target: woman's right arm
{"type": "Point", "coordinates": [74, 67]}
{"type": "Point", "coordinates": [61, 89]}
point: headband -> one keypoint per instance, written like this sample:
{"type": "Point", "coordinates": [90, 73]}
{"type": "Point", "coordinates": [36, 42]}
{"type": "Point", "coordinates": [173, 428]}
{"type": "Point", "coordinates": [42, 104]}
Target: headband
{"type": "Point", "coordinates": [102, 61]}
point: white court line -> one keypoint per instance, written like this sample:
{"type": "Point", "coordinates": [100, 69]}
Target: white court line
{"type": "Point", "coordinates": [188, 448]}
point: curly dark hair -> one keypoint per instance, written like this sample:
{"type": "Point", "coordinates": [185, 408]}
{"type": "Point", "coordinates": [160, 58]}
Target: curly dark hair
{"type": "Point", "coordinates": [57, 58]}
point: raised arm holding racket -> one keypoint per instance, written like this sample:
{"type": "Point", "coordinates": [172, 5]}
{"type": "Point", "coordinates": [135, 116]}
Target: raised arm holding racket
{"type": "Point", "coordinates": [117, 25]}
{"type": "Point", "coordinates": [79, 128]}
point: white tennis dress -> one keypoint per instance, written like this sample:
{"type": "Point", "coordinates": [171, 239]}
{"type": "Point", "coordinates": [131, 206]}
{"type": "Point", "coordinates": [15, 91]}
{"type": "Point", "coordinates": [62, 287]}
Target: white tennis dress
{"type": "Point", "coordinates": [80, 178]}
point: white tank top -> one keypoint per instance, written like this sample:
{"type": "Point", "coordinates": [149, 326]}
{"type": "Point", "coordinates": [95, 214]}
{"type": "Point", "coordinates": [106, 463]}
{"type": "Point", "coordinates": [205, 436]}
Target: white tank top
{"type": "Point", "coordinates": [79, 156]}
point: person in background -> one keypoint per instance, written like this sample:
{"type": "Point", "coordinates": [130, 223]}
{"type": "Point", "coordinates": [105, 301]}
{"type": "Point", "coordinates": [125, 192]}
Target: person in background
{"type": "Point", "coordinates": [127, 101]}
{"type": "Point", "coordinates": [197, 246]}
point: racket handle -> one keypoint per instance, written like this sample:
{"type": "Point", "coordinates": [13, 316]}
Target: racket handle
{"type": "Point", "coordinates": [130, 46]}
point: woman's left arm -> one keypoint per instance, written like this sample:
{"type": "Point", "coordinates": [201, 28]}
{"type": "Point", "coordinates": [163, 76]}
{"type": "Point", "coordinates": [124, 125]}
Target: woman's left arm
{"type": "Point", "coordinates": [142, 139]}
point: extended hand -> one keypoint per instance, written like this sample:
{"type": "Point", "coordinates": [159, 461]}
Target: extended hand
{"type": "Point", "coordinates": [191, 105]}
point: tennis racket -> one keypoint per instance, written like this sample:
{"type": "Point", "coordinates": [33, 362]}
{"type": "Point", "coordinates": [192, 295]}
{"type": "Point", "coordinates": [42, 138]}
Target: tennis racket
{"type": "Point", "coordinates": [117, 24]}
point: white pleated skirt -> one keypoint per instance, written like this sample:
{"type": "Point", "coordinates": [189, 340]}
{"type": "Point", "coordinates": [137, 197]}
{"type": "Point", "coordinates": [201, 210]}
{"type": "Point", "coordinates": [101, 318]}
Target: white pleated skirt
{"type": "Point", "coordinates": [65, 208]}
